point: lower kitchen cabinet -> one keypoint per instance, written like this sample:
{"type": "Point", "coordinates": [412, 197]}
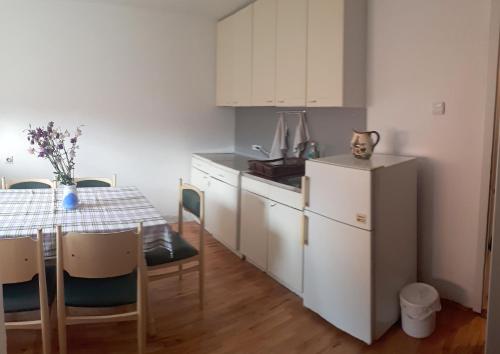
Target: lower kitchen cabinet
{"type": "Point", "coordinates": [285, 245]}
{"type": "Point", "coordinates": [271, 238]}
{"type": "Point", "coordinates": [253, 229]}
{"type": "Point", "coordinates": [221, 201]}
{"type": "Point", "coordinates": [221, 186]}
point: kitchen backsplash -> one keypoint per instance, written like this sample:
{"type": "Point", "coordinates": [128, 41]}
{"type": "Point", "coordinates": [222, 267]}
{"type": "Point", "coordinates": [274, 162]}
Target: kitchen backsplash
{"type": "Point", "coordinates": [330, 127]}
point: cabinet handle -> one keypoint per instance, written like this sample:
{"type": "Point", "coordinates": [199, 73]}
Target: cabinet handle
{"type": "Point", "coordinates": [281, 101]}
{"type": "Point", "coordinates": [269, 101]}
{"type": "Point", "coordinates": [313, 101]}
{"type": "Point", "coordinates": [305, 229]}
{"type": "Point", "coordinates": [272, 205]}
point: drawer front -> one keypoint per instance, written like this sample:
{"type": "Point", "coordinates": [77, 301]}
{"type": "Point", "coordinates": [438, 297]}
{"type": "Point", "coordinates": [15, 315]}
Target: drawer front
{"type": "Point", "coordinates": [254, 186]}
{"type": "Point", "coordinates": [199, 179]}
{"type": "Point", "coordinates": [280, 195]}
{"type": "Point", "coordinates": [340, 193]}
{"type": "Point", "coordinates": [224, 175]}
{"type": "Point", "coordinates": [218, 172]}
{"type": "Point", "coordinates": [200, 164]}
{"type": "Point", "coordinates": [286, 197]}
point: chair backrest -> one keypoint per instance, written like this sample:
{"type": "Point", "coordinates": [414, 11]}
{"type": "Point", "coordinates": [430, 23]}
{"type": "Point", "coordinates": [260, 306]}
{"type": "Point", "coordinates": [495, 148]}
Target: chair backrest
{"type": "Point", "coordinates": [96, 182]}
{"type": "Point", "coordinates": [20, 259]}
{"type": "Point", "coordinates": [102, 255]}
{"type": "Point", "coordinates": [32, 183]}
{"type": "Point", "coordinates": [192, 200]}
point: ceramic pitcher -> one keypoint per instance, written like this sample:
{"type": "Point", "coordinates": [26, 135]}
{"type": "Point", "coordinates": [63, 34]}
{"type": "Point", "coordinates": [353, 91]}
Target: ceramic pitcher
{"type": "Point", "coordinates": [362, 144]}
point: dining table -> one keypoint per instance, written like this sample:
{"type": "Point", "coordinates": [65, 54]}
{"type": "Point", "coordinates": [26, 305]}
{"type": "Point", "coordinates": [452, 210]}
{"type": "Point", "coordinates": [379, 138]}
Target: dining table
{"type": "Point", "coordinates": [100, 210]}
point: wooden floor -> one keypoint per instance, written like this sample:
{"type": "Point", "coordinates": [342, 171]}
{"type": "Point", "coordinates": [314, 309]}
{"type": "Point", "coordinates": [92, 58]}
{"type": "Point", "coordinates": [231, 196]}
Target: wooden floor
{"type": "Point", "coordinates": [248, 312]}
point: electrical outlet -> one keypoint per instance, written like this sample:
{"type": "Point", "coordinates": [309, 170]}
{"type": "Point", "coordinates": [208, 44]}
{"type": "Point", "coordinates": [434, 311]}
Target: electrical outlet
{"type": "Point", "coordinates": [9, 160]}
{"type": "Point", "coordinates": [256, 147]}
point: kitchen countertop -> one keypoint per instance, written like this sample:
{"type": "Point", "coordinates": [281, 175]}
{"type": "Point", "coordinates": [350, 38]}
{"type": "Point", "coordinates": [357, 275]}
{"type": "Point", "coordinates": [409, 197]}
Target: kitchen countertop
{"type": "Point", "coordinates": [240, 163]}
{"type": "Point", "coordinates": [230, 160]}
{"type": "Point", "coordinates": [293, 183]}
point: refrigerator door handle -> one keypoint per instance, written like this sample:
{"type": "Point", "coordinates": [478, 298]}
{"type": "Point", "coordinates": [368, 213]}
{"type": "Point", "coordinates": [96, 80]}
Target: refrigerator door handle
{"type": "Point", "coordinates": [305, 230]}
{"type": "Point", "coordinates": [305, 191]}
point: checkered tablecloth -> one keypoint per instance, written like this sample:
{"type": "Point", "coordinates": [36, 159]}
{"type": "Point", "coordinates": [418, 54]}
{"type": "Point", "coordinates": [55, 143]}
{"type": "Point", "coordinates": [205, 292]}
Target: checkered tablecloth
{"type": "Point", "coordinates": [23, 212]}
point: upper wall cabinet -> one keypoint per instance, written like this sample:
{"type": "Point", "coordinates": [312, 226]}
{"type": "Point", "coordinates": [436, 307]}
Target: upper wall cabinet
{"type": "Point", "coordinates": [264, 53]}
{"type": "Point", "coordinates": [291, 53]}
{"type": "Point", "coordinates": [225, 62]}
{"type": "Point", "coordinates": [234, 59]}
{"type": "Point", "coordinates": [336, 53]}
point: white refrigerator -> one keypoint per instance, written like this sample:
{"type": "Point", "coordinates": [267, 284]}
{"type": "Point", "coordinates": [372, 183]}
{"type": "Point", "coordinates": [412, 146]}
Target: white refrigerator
{"type": "Point", "coordinates": [360, 240]}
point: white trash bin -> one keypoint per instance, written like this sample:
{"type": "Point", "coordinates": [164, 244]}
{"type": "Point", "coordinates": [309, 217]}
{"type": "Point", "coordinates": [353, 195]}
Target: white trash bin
{"type": "Point", "coordinates": [419, 304]}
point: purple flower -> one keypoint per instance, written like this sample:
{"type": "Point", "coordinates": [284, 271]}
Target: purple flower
{"type": "Point", "coordinates": [73, 140]}
{"type": "Point", "coordinates": [60, 146]}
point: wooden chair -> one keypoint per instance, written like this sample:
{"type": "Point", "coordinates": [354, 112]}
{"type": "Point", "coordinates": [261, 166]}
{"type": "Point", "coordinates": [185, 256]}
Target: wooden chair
{"type": "Point", "coordinates": [32, 183]}
{"type": "Point", "coordinates": [96, 182]}
{"type": "Point", "coordinates": [101, 271]}
{"type": "Point", "coordinates": [27, 284]}
{"type": "Point", "coordinates": [161, 260]}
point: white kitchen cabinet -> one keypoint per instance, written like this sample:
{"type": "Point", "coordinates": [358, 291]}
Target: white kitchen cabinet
{"type": "Point", "coordinates": [218, 175]}
{"type": "Point", "coordinates": [225, 62]}
{"type": "Point", "coordinates": [285, 245]}
{"type": "Point", "coordinates": [222, 212]}
{"type": "Point", "coordinates": [253, 229]}
{"type": "Point", "coordinates": [271, 232]}
{"type": "Point", "coordinates": [234, 59]}
{"type": "Point", "coordinates": [264, 53]}
{"type": "Point", "coordinates": [291, 53]}
{"type": "Point", "coordinates": [242, 87]}
{"type": "Point", "coordinates": [336, 53]}
{"type": "Point", "coordinates": [342, 254]}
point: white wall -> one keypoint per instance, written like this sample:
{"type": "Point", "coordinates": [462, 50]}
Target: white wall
{"type": "Point", "coordinates": [421, 52]}
{"type": "Point", "coordinates": [142, 81]}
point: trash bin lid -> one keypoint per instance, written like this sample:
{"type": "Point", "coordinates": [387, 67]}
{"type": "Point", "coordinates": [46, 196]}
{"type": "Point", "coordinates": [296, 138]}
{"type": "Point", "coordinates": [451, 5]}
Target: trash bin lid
{"type": "Point", "coordinates": [419, 294]}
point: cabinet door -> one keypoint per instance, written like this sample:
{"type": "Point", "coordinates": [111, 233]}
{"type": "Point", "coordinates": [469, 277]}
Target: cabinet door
{"type": "Point", "coordinates": [291, 49]}
{"type": "Point", "coordinates": [264, 53]}
{"type": "Point", "coordinates": [325, 53]}
{"type": "Point", "coordinates": [337, 275]}
{"type": "Point", "coordinates": [221, 211]}
{"type": "Point", "coordinates": [253, 229]}
{"type": "Point", "coordinates": [225, 60]}
{"type": "Point", "coordinates": [242, 57]}
{"type": "Point", "coordinates": [285, 255]}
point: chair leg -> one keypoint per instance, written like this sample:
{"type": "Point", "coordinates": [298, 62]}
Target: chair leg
{"type": "Point", "coordinates": [141, 332]}
{"type": "Point", "coordinates": [150, 316]}
{"type": "Point", "coordinates": [61, 327]}
{"type": "Point", "coordinates": [46, 336]}
{"type": "Point", "coordinates": [180, 271]}
{"type": "Point", "coordinates": [201, 279]}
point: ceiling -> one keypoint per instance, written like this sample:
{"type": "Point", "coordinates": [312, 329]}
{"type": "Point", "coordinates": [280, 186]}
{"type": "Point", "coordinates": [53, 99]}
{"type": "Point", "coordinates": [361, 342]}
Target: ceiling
{"type": "Point", "coordinates": [215, 9]}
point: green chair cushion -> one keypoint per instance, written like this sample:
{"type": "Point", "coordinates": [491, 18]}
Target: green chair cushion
{"type": "Point", "coordinates": [106, 292]}
{"type": "Point", "coordinates": [25, 296]}
{"type": "Point", "coordinates": [191, 201]}
{"type": "Point", "coordinates": [177, 250]}
{"type": "Point", "coordinates": [30, 185]}
{"type": "Point", "coordinates": [92, 183]}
